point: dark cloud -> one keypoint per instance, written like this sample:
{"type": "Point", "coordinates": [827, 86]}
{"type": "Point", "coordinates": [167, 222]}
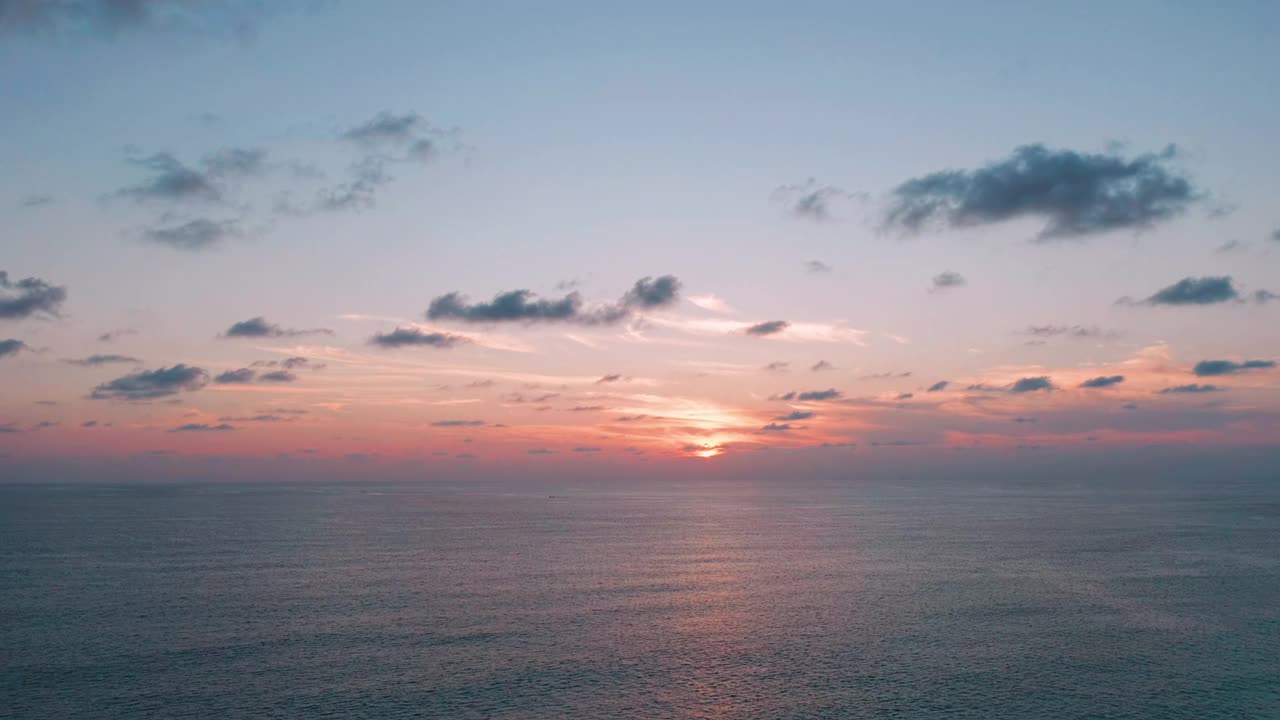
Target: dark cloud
{"type": "Point", "coordinates": [1103, 381]}
{"type": "Point", "coordinates": [412, 337]}
{"type": "Point", "coordinates": [770, 327]}
{"type": "Point", "coordinates": [1274, 236]}
{"type": "Point", "coordinates": [112, 17]}
{"type": "Point", "coordinates": [523, 306]}
{"type": "Point", "coordinates": [1193, 291]}
{"type": "Point", "coordinates": [1024, 420]}
{"type": "Point", "coordinates": [796, 415]}
{"type": "Point", "coordinates": [1031, 384]}
{"type": "Point", "coordinates": [35, 200]}
{"type": "Point", "coordinates": [29, 296]}
{"type": "Point", "coordinates": [1210, 368]}
{"type": "Point", "coordinates": [111, 335]}
{"type": "Point", "coordinates": [1191, 389]}
{"type": "Point", "coordinates": [12, 347]}
{"type": "Point", "coordinates": [151, 384]}
{"type": "Point", "coordinates": [194, 235]}
{"type": "Point", "coordinates": [613, 377]}
{"type": "Point", "coordinates": [1073, 331]}
{"type": "Point", "coordinates": [587, 449]}
{"type": "Point", "coordinates": [1264, 296]}
{"type": "Point", "coordinates": [1077, 194]}
{"type": "Point", "coordinates": [905, 396]}
{"type": "Point", "coordinates": [387, 128]}
{"type": "Point", "coordinates": [946, 280]}
{"type": "Point", "coordinates": [279, 376]}
{"type": "Point", "coordinates": [777, 427]}
{"type": "Point", "coordinates": [258, 327]}
{"type": "Point", "coordinates": [264, 418]}
{"type": "Point", "coordinates": [171, 180]}
{"type": "Point", "coordinates": [457, 423]}
{"type": "Point", "coordinates": [96, 360]}
{"type": "Point", "coordinates": [821, 366]}
{"type": "Point", "coordinates": [358, 193]}
{"type": "Point", "coordinates": [290, 363]}
{"type": "Point", "coordinates": [938, 386]}
{"type": "Point", "coordinates": [202, 427]}
{"type": "Point", "coordinates": [235, 377]}
{"type": "Point", "coordinates": [777, 366]}
{"type": "Point", "coordinates": [89, 424]}
{"type": "Point", "coordinates": [887, 375]}
{"type": "Point", "coordinates": [234, 161]}
{"type": "Point", "coordinates": [542, 451]}
{"type": "Point", "coordinates": [809, 395]}
{"type": "Point", "coordinates": [817, 266]}
{"type": "Point", "coordinates": [811, 200]}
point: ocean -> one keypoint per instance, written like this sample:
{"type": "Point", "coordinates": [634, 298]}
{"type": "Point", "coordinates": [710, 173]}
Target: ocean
{"type": "Point", "coordinates": [904, 599]}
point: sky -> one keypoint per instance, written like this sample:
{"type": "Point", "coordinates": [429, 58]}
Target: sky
{"type": "Point", "coordinates": [436, 240]}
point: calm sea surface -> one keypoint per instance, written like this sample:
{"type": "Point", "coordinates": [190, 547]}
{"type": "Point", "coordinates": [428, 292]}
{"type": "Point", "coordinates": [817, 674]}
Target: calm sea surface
{"type": "Point", "coordinates": [875, 600]}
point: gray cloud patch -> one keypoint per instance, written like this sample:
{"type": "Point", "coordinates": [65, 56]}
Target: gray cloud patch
{"type": "Point", "coordinates": [11, 347]}
{"type": "Point", "coordinates": [612, 377]}
{"type": "Point", "coordinates": [1103, 381]}
{"type": "Point", "coordinates": [796, 415]}
{"type": "Point", "coordinates": [457, 423]}
{"type": "Point", "coordinates": [809, 395]}
{"type": "Point", "coordinates": [523, 306]}
{"type": "Point", "coordinates": [412, 337]}
{"type": "Point", "coordinates": [1210, 368]}
{"type": "Point", "coordinates": [29, 296]}
{"type": "Point", "coordinates": [938, 386]}
{"type": "Point", "coordinates": [1072, 331]}
{"type": "Point", "coordinates": [946, 280]}
{"type": "Point", "coordinates": [817, 266]}
{"type": "Point", "coordinates": [822, 366]}
{"type": "Point", "coordinates": [1190, 389]}
{"type": "Point", "coordinates": [1077, 194]}
{"type": "Point", "coordinates": [150, 384]}
{"type": "Point", "coordinates": [171, 180]}
{"type": "Point", "coordinates": [202, 427]}
{"type": "Point", "coordinates": [813, 201]}
{"type": "Point", "coordinates": [258, 327]}
{"type": "Point", "coordinates": [235, 377]}
{"type": "Point", "coordinates": [1031, 384]}
{"type": "Point", "coordinates": [194, 235]}
{"type": "Point", "coordinates": [111, 17]}
{"type": "Point", "coordinates": [96, 360]}
{"type": "Point", "coordinates": [1207, 290]}
{"type": "Point", "coordinates": [770, 327]}
{"type": "Point", "coordinates": [277, 376]}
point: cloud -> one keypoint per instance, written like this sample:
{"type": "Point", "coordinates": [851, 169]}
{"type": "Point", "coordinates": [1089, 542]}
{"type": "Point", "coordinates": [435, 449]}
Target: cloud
{"type": "Point", "coordinates": [235, 377]}
{"type": "Point", "coordinates": [587, 408]}
{"type": "Point", "coordinates": [542, 451]}
{"type": "Point", "coordinates": [1031, 384]}
{"type": "Point", "coordinates": [258, 327]}
{"type": "Point", "coordinates": [817, 266]}
{"type": "Point", "coordinates": [89, 424]}
{"type": "Point", "coordinates": [1077, 194]}
{"type": "Point", "coordinates": [796, 415]}
{"type": "Point", "coordinates": [770, 327]}
{"type": "Point", "coordinates": [111, 335]}
{"type": "Point", "coordinates": [1103, 381]}
{"type": "Point", "coordinates": [171, 180]}
{"type": "Point", "coordinates": [1230, 246]}
{"type": "Point", "coordinates": [777, 366]}
{"type": "Point", "coordinates": [264, 418]}
{"type": "Point", "coordinates": [195, 235]}
{"type": "Point", "coordinates": [1264, 296]}
{"type": "Point", "coordinates": [37, 201]}
{"type": "Point", "coordinates": [387, 128]}
{"type": "Point", "coordinates": [12, 347]}
{"type": "Point", "coordinates": [946, 280]}
{"type": "Point", "coordinates": [938, 386]}
{"type": "Point", "coordinates": [777, 427]}
{"type": "Point", "coordinates": [523, 306]}
{"type": "Point", "coordinates": [277, 376]}
{"type": "Point", "coordinates": [1211, 368]}
{"type": "Point", "coordinates": [822, 366]}
{"type": "Point", "coordinates": [811, 200]}
{"type": "Point", "coordinates": [614, 377]}
{"type": "Point", "coordinates": [413, 337]}
{"type": "Point", "coordinates": [1191, 389]}
{"type": "Point", "coordinates": [710, 302]}
{"type": "Point", "coordinates": [905, 396]}
{"type": "Point", "coordinates": [1275, 235]}
{"type": "Point", "coordinates": [110, 17]}
{"type": "Point", "coordinates": [234, 161]}
{"type": "Point", "coordinates": [202, 427]}
{"type": "Point", "coordinates": [33, 296]}
{"type": "Point", "coordinates": [96, 360]}
{"type": "Point", "coordinates": [457, 423]}
{"type": "Point", "coordinates": [1193, 291]}
{"type": "Point", "coordinates": [150, 384]}
{"type": "Point", "coordinates": [809, 395]}
{"type": "Point", "coordinates": [587, 449]}
{"type": "Point", "coordinates": [1073, 331]}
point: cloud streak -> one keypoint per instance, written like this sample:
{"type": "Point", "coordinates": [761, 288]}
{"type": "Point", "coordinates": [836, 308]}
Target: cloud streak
{"type": "Point", "coordinates": [522, 306]}
{"type": "Point", "coordinates": [29, 296]}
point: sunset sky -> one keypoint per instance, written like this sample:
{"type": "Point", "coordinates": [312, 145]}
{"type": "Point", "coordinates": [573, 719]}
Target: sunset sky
{"type": "Point", "coordinates": [425, 239]}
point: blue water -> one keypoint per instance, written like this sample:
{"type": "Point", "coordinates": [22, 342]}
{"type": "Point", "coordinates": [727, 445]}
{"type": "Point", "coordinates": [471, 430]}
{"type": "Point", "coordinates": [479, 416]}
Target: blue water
{"type": "Point", "coordinates": [901, 600]}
